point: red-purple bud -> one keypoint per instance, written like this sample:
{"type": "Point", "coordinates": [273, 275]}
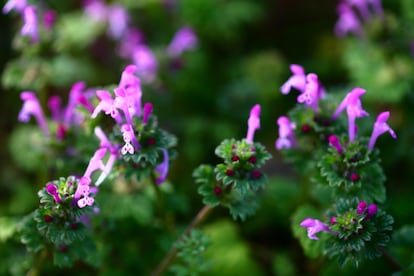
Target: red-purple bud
{"type": "Point", "coordinates": [305, 128]}
{"type": "Point", "coordinates": [334, 141]}
{"type": "Point", "coordinates": [73, 226]}
{"type": "Point", "coordinates": [333, 220]}
{"type": "Point", "coordinates": [229, 172]}
{"type": "Point", "coordinates": [217, 190]}
{"type": "Point", "coordinates": [354, 177]}
{"type": "Point", "coordinates": [63, 249]}
{"type": "Point", "coordinates": [252, 159]}
{"type": "Point", "coordinates": [256, 174]}
{"type": "Point", "coordinates": [235, 158]}
{"type": "Point", "coordinates": [60, 132]}
{"type": "Point", "coordinates": [362, 206]}
{"type": "Point", "coordinates": [372, 210]}
{"type": "Point", "coordinates": [48, 218]}
{"type": "Point", "coordinates": [151, 141]}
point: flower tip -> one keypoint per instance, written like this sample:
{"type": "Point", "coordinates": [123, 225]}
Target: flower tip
{"type": "Point", "coordinates": [255, 111]}
{"type": "Point", "coordinates": [297, 69]}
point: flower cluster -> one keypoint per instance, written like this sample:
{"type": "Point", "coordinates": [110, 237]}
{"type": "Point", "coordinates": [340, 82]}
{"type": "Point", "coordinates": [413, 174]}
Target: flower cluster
{"type": "Point", "coordinates": [352, 12]}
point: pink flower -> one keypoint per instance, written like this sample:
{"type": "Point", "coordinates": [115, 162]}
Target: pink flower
{"type": "Point", "coordinates": [353, 106]}
{"type": "Point", "coordinates": [17, 5]}
{"type": "Point", "coordinates": [334, 141]}
{"type": "Point", "coordinates": [162, 168]}
{"type": "Point", "coordinates": [31, 107]}
{"type": "Point", "coordinates": [286, 133]}
{"type": "Point", "coordinates": [118, 21]}
{"type": "Point", "coordinates": [380, 127]}
{"type": "Point", "coordinates": [297, 81]}
{"type": "Point", "coordinates": [145, 62]}
{"type": "Point", "coordinates": [253, 123]}
{"type": "Point", "coordinates": [30, 27]}
{"type": "Point", "coordinates": [107, 105]}
{"type": "Point", "coordinates": [185, 39]}
{"type": "Point", "coordinates": [348, 22]}
{"type": "Point", "coordinates": [314, 226]}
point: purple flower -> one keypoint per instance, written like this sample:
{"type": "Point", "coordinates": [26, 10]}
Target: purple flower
{"type": "Point", "coordinates": [128, 137]}
{"type": "Point", "coordinates": [334, 141]}
{"type": "Point", "coordinates": [118, 21]}
{"type": "Point", "coordinates": [49, 19]}
{"type": "Point", "coordinates": [162, 168]}
{"type": "Point", "coordinates": [353, 106]}
{"type": "Point", "coordinates": [30, 27]}
{"type": "Point", "coordinates": [362, 207]}
{"type": "Point", "coordinates": [113, 150]}
{"type": "Point", "coordinates": [146, 63]}
{"type": "Point", "coordinates": [371, 211]}
{"type": "Point", "coordinates": [147, 112]}
{"type": "Point", "coordinates": [52, 190]}
{"type": "Point", "coordinates": [31, 106]}
{"type": "Point", "coordinates": [362, 6]}
{"type": "Point", "coordinates": [54, 103]}
{"type": "Point", "coordinates": [96, 10]}
{"type": "Point", "coordinates": [314, 226]}
{"type": "Point", "coordinates": [348, 22]}
{"type": "Point", "coordinates": [74, 95]}
{"type": "Point", "coordinates": [132, 89]}
{"type": "Point", "coordinates": [107, 105]}
{"type": "Point", "coordinates": [312, 92]}
{"type": "Point", "coordinates": [297, 81]}
{"type": "Point", "coordinates": [253, 123]}
{"type": "Point", "coordinates": [380, 127]}
{"type": "Point", "coordinates": [133, 37]}
{"type": "Point", "coordinates": [95, 163]}
{"type": "Point", "coordinates": [17, 5]}
{"type": "Point", "coordinates": [286, 133]}
{"type": "Point", "coordinates": [185, 39]}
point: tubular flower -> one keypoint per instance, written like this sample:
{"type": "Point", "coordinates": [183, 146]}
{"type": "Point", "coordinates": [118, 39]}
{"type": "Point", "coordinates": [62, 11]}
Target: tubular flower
{"type": "Point", "coordinates": [17, 5]}
{"type": "Point", "coordinates": [334, 141]}
{"type": "Point", "coordinates": [31, 106]}
{"type": "Point", "coordinates": [146, 63]}
{"type": "Point", "coordinates": [147, 112]}
{"type": "Point", "coordinates": [52, 190]}
{"type": "Point", "coordinates": [253, 123]}
{"type": "Point", "coordinates": [117, 20]}
{"type": "Point", "coordinates": [297, 81]}
{"type": "Point", "coordinates": [163, 167]}
{"type": "Point", "coordinates": [107, 105]}
{"type": "Point", "coordinates": [286, 133]}
{"type": "Point", "coordinates": [353, 106]}
{"type": "Point", "coordinates": [185, 39]}
{"type": "Point", "coordinates": [312, 92]}
{"type": "Point", "coordinates": [74, 96]}
{"type": "Point", "coordinates": [30, 27]}
{"type": "Point", "coordinates": [314, 226]}
{"type": "Point", "coordinates": [348, 22]}
{"type": "Point", "coordinates": [129, 137]}
{"type": "Point", "coordinates": [113, 150]}
{"type": "Point", "coordinates": [380, 127]}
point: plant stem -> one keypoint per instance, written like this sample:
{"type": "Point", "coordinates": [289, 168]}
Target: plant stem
{"type": "Point", "coordinates": [201, 215]}
{"type": "Point", "coordinates": [390, 259]}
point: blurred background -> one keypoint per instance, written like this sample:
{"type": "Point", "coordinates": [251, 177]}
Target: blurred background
{"type": "Point", "coordinates": [244, 51]}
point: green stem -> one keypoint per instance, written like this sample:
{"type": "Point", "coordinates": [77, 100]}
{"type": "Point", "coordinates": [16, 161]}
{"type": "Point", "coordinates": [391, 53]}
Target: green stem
{"type": "Point", "coordinates": [201, 215]}
{"type": "Point", "coordinates": [35, 270]}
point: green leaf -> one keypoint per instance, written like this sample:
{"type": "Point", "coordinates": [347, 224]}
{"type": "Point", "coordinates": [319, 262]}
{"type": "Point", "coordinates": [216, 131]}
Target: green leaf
{"type": "Point", "coordinates": [8, 227]}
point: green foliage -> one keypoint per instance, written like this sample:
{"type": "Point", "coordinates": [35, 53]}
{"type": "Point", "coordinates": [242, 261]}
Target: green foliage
{"type": "Point", "coordinates": [191, 254]}
{"type": "Point", "coordinates": [9, 226]}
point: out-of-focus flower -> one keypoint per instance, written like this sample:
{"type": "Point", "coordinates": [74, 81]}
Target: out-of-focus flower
{"type": "Point", "coordinates": [117, 20]}
{"type": "Point", "coordinates": [348, 22]}
{"type": "Point", "coordinates": [113, 150]}
{"type": "Point", "coordinates": [17, 5]}
{"type": "Point", "coordinates": [147, 112]}
{"type": "Point", "coordinates": [96, 10]}
{"type": "Point", "coordinates": [49, 19]}
{"type": "Point", "coordinates": [163, 167]}
{"type": "Point", "coordinates": [297, 80]}
{"type": "Point", "coordinates": [145, 62]}
{"type": "Point", "coordinates": [132, 38]}
{"type": "Point", "coordinates": [314, 226]}
{"type": "Point", "coordinates": [107, 105]}
{"type": "Point", "coordinates": [334, 141]}
{"type": "Point", "coordinates": [353, 106]}
{"type": "Point", "coordinates": [185, 39]}
{"type": "Point", "coordinates": [253, 123]}
{"type": "Point", "coordinates": [286, 137]}
{"type": "Point", "coordinates": [380, 127]}
{"type": "Point", "coordinates": [52, 190]}
{"type": "Point", "coordinates": [128, 135]}
{"type": "Point", "coordinates": [30, 25]}
{"type": "Point", "coordinates": [31, 107]}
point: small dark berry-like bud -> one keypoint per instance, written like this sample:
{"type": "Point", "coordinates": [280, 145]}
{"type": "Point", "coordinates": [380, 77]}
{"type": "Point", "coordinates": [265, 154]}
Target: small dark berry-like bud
{"type": "Point", "coordinates": [235, 158]}
{"type": "Point", "coordinates": [151, 141]}
{"type": "Point", "coordinates": [252, 159]}
{"type": "Point", "coordinates": [63, 249]}
{"type": "Point", "coordinates": [48, 218]}
{"type": "Point", "coordinates": [333, 220]}
{"type": "Point", "coordinates": [217, 190]}
{"type": "Point", "coordinates": [354, 177]}
{"type": "Point", "coordinates": [256, 174]}
{"type": "Point", "coordinates": [230, 172]}
{"type": "Point", "coordinates": [73, 226]}
{"type": "Point", "coordinates": [305, 128]}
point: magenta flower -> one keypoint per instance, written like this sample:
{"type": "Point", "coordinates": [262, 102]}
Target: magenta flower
{"type": "Point", "coordinates": [297, 81]}
{"type": "Point", "coordinates": [52, 190]}
{"type": "Point", "coordinates": [362, 207]}
{"type": "Point", "coordinates": [117, 20]}
{"type": "Point", "coordinates": [95, 164]}
{"type": "Point", "coordinates": [362, 6]}
{"type": "Point", "coordinates": [17, 5]}
{"type": "Point", "coordinates": [253, 123]}
{"type": "Point", "coordinates": [133, 37]}
{"type": "Point", "coordinates": [371, 211]}
{"type": "Point", "coordinates": [286, 133]}
{"type": "Point", "coordinates": [162, 168]}
{"type": "Point", "coordinates": [107, 105]}
{"type": "Point", "coordinates": [54, 103]}
{"type": "Point", "coordinates": [96, 10]}
{"type": "Point", "coordinates": [185, 39]}
{"type": "Point", "coordinates": [348, 22]}
{"type": "Point", "coordinates": [30, 27]}
{"type": "Point", "coordinates": [113, 150]}
{"type": "Point", "coordinates": [131, 85]}
{"type": "Point", "coordinates": [334, 141]}
{"type": "Point", "coordinates": [146, 63]}
{"type": "Point", "coordinates": [74, 96]}
{"type": "Point", "coordinates": [147, 112]}
{"type": "Point", "coordinates": [31, 107]}
{"type": "Point", "coordinates": [128, 136]}
{"type": "Point", "coordinates": [312, 92]}
{"type": "Point", "coordinates": [353, 106]}
{"type": "Point", "coordinates": [49, 19]}
{"type": "Point", "coordinates": [380, 127]}
{"type": "Point", "coordinates": [314, 226]}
